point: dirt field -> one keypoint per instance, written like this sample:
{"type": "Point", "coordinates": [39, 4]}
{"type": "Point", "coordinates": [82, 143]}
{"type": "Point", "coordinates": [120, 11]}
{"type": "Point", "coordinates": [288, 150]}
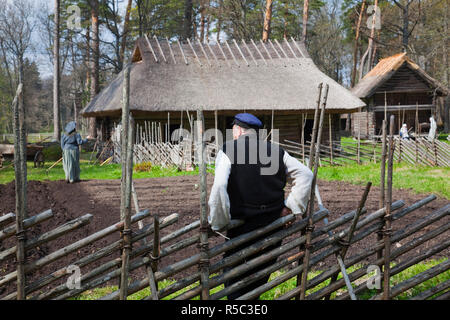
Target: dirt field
{"type": "Point", "coordinates": [165, 196]}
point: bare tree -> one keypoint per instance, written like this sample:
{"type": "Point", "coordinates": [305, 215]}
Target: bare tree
{"type": "Point", "coordinates": [56, 76]}
{"type": "Point", "coordinates": [188, 19]}
{"type": "Point", "coordinates": [125, 32]}
{"type": "Point", "coordinates": [95, 60]}
{"type": "Point", "coordinates": [305, 19]}
{"type": "Point", "coordinates": [16, 28]}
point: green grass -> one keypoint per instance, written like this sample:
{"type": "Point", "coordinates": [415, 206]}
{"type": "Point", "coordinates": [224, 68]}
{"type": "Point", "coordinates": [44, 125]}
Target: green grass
{"type": "Point", "coordinates": [290, 284]}
{"type": "Point", "coordinates": [88, 171]}
{"type": "Point", "coordinates": [420, 179]}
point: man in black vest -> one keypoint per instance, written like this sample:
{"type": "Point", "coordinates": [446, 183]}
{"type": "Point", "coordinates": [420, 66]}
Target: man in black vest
{"type": "Point", "coordinates": [250, 176]}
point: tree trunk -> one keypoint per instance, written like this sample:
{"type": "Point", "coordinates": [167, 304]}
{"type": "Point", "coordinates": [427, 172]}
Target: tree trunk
{"type": "Point", "coordinates": [267, 21]}
{"type": "Point", "coordinates": [202, 21]}
{"type": "Point", "coordinates": [405, 32]}
{"type": "Point", "coordinates": [305, 19]}
{"type": "Point", "coordinates": [363, 67]}
{"type": "Point", "coordinates": [188, 7]}
{"type": "Point", "coordinates": [447, 70]}
{"type": "Point", "coordinates": [356, 45]}
{"type": "Point", "coordinates": [95, 47]}
{"type": "Point", "coordinates": [56, 77]}
{"type": "Point", "coordinates": [125, 34]}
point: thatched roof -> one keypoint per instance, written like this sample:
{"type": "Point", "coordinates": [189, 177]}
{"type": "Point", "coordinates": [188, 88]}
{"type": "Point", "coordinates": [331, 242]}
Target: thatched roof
{"type": "Point", "coordinates": [170, 76]}
{"type": "Point", "coordinates": [386, 69]}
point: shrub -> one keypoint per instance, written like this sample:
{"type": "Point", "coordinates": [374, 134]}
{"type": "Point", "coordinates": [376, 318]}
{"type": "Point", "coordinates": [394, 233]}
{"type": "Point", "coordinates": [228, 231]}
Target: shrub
{"type": "Point", "coordinates": [143, 167]}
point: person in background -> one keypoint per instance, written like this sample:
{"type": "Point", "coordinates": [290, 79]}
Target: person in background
{"type": "Point", "coordinates": [71, 152]}
{"type": "Point", "coordinates": [432, 132]}
{"type": "Point", "coordinates": [244, 189]}
{"type": "Point", "coordinates": [404, 132]}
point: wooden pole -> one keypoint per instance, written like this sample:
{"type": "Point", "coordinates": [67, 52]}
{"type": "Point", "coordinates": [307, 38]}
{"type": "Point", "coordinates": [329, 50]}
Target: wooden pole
{"type": "Point", "coordinates": [387, 217]}
{"type": "Point", "coordinates": [381, 202]}
{"type": "Point", "coordinates": [359, 139]}
{"type": "Point", "coordinates": [168, 127]}
{"type": "Point", "coordinates": [330, 138]}
{"type": "Point", "coordinates": [310, 227]}
{"type": "Point", "coordinates": [216, 132]}
{"type": "Point", "coordinates": [154, 258]}
{"type": "Point", "coordinates": [271, 125]}
{"type": "Point", "coordinates": [127, 172]}
{"type": "Point", "coordinates": [303, 138]}
{"type": "Point", "coordinates": [204, 246]}
{"type": "Point", "coordinates": [310, 164]}
{"type": "Point", "coordinates": [20, 169]}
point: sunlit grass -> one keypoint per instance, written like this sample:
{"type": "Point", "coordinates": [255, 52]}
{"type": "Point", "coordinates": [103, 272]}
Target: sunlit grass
{"type": "Point", "coordinates": [291, 283]}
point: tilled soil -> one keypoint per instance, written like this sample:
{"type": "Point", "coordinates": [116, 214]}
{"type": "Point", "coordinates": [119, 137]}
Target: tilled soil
{"type": "Point", "coordinates": [164, 196]}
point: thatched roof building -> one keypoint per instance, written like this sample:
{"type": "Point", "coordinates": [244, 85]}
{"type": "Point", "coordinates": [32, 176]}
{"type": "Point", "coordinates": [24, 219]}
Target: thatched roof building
{"type": "Point", "coordinates": [225, 78]}
{"type": "Point", "coordinates": [400, 86]}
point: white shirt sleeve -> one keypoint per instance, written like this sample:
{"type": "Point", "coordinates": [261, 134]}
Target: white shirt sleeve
{"type": "Point", "coordinates": [219, 201]}
{"type": "Point", "coordinates": [302, 177]}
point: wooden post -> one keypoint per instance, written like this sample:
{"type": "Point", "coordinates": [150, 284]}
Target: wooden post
{"type": "Point", "coordinates": [315, 126]}
{"type": "Point", "coordinates": [416, 137]}
{"type": "Point", "coordinates": [204, 247]}
{"type": "Point", "coordinates": [216, 132]}
{"type": "Point", "coordinates": [358, 158]}
{"type": "Point", "coordinates": [310, 164]}
{"type": "Point", "coordinates": [154, 258]}
{"type": "Point", "coordinates": [381, 202]}
{"type": "Point", "coordinates": [271, 125]}
{"type": "Point", "coordinates": [331, 138]}
{"type": "Point", "coordinates": [303, 137]}
{"type": "Point", "coordinates": [168, 127]}
{"type": "Point", "coordinates": [387, 227]}
{"type": "Point", "coordinates": [127, 173]}
{"type": "Point", "coordinates": [20, 169]}
{"type": "Point", "coordinates": [309, 228]}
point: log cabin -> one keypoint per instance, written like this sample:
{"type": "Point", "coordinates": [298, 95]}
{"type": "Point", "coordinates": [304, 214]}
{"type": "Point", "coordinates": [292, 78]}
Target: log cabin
{"type": "Point", "coordinates": [399, 86]}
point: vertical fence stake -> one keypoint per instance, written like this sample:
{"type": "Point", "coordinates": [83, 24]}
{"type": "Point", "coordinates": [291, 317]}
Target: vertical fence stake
{"type": "Point", "coordinates": [20, 169]}
{"type": "Point", "coordinates": [303, 136]}
{"type": "Point", "coordinates": [204, 259]}
{"type": "Point", "coordinates": [331, 138]}
{"type": "Point", "coordinates": [310, 227]}
{"type": "Point", "coordinates": [387, 228]}
{"type": "Point", "coordinates": [127, 173]}
{"type": "Point", "coordinates": [310, 164]}
{"type": "Point", "coordinates": [154, 258]}
{"type": "Point", "coordinates": [381, 203]}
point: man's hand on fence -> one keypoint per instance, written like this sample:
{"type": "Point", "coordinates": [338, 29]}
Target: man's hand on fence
{"type": "Point", "coordinates": [285, 212]}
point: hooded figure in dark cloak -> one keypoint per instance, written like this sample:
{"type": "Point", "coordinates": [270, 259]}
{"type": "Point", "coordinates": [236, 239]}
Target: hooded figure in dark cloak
{"type": "Point", "coordinates": [70, 143]}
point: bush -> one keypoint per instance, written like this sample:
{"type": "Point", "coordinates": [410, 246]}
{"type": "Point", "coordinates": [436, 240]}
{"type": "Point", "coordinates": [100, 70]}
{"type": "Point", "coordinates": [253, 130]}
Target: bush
{"type": "Point", "coordinates": [143, 167]}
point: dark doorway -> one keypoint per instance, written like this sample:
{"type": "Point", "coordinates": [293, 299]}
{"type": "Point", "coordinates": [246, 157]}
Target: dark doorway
{"type": "Point", "coordinates": [308, 129]}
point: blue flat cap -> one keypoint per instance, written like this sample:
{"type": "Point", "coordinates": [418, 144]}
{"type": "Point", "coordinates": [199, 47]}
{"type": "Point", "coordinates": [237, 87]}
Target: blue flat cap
{"type": "Point", "coordinates": [70, 127]}
{"type": "Point", "coordinates": [247, 120]}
